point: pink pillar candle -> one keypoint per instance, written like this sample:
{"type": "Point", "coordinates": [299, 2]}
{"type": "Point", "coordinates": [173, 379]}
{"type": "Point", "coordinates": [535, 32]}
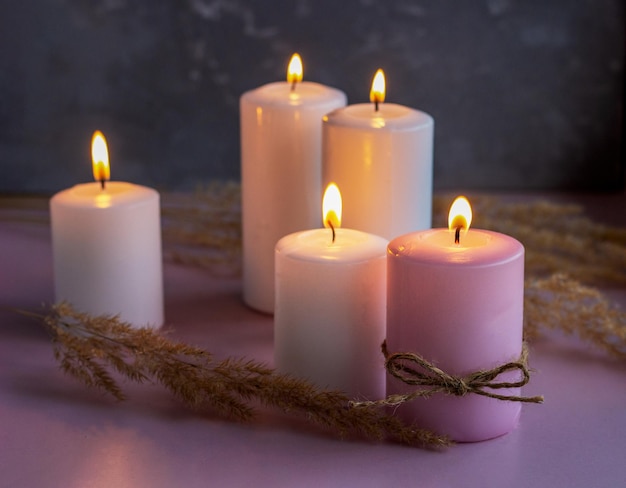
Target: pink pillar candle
{"type": "Point", "coordinates": [460, 306]}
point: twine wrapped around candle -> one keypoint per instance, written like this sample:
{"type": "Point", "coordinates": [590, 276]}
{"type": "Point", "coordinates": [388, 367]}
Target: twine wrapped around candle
{"type": "Point", "coordinates": [435, 380]}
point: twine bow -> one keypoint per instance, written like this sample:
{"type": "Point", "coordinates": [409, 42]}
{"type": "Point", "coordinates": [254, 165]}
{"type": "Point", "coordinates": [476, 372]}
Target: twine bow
{"type": "Point", "coordinates": [435, 380]}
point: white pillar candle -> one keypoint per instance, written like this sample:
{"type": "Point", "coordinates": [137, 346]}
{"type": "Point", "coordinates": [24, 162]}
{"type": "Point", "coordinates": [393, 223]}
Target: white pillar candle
{"type": "Point", "coordinates": [281, 126]}
{"type": "Point", "coordinates": [381, 156]}
{"type": "Point", "coordinates": [459, 306]}
{"type": "Point", "coordinates": [330, 309]}
{"type": "Point", "coordinates": [106, 241]}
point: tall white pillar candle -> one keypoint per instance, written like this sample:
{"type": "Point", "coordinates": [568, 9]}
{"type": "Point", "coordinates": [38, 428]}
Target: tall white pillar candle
{"type": "Point", "coordinates": [106, 241]}
{"type": "Point", "coordinates": [281, 126]}
{"type": "Point", "coordinates": [330, 310]}
{"type": "Point", "coordinates": [381, 156]}
{"type": "Point", "coordinates": [460, 306]}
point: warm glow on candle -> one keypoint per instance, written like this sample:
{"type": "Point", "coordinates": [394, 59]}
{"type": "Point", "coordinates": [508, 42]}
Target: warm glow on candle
{"type": "Point", "coordinates": [295, 70]}
{"type": "Point", "coordinates": [331, 206]}
{"type": "Point", "coordinates": [460, 216]}
{"type": "Point", "coordinates": [100, 157]}
{"type": "Point", "coordinates": [377, 93]}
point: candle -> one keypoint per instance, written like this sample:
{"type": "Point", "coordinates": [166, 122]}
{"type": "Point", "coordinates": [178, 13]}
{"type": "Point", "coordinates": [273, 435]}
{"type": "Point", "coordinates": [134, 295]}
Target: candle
{"type": "Point", "coordinates": [106, 242]}
{"type": "Point", "coordinates": [458, 305]}
{"type": "Point", "coordinates": [330, 307]}
{"type": "Point", "coordinates": [381, 156]}
{"type": "Point", "coordinates": [281, 127]}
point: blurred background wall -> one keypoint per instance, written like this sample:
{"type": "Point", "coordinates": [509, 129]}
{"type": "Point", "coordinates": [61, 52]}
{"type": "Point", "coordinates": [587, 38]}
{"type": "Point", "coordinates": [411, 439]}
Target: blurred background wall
{"type": "Point", "coordinates": [526, 94]}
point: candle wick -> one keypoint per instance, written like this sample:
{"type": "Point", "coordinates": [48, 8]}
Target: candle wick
{"type": "Point", "coordinates": [102, 183]}
{"type": "Point", "coordinates": [375, 105]}
{"type": "Point", "coordinates": [331, 228]}
{"type": "Point", "coordinates": [457, 235]}
{"type": "Point", "coordinates": [293, 85]}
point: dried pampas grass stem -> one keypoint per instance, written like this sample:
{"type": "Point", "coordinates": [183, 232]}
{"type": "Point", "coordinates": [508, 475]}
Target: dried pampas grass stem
{"type": "Point", "coordinates": [92, 348]}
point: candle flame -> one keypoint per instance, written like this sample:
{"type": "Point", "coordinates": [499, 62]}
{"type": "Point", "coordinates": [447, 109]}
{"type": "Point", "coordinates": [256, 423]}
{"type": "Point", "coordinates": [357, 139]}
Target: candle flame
{"type": "Point", "coordinates": [460, 215]}
{"type": "Point", "coordinates": [100, 157]}
{"type": "Point", "coordinates": [295, 70]}
{"type": "Point", "coordinates": [377, 93]}
{"type": "Point", "coordinates": [331, 206]}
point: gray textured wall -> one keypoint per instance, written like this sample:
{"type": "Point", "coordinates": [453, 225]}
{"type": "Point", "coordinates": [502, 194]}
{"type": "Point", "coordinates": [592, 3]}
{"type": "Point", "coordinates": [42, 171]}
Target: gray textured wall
{"type": "Point", "coordinates": [525, 93]}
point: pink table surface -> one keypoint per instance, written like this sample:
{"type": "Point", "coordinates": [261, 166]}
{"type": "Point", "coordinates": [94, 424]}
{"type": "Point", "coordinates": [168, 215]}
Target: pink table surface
{"type": "Point", "coordinates": [54, 432]}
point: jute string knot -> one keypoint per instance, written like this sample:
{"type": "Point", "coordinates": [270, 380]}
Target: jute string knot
{"type": "Point", "coordinates": [432, 379]}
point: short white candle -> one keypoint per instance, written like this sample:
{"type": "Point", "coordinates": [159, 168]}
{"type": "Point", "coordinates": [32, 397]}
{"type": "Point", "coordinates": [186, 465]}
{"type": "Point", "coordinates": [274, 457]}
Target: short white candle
{"type": "Point", "coordinates": [281, 134]}
{"type": "Point", "coordinates": [330, 309]}
{"type": "Point", "coordinates": [381, 156]}
{"type": "Point", "coordinates": [106, 241]}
